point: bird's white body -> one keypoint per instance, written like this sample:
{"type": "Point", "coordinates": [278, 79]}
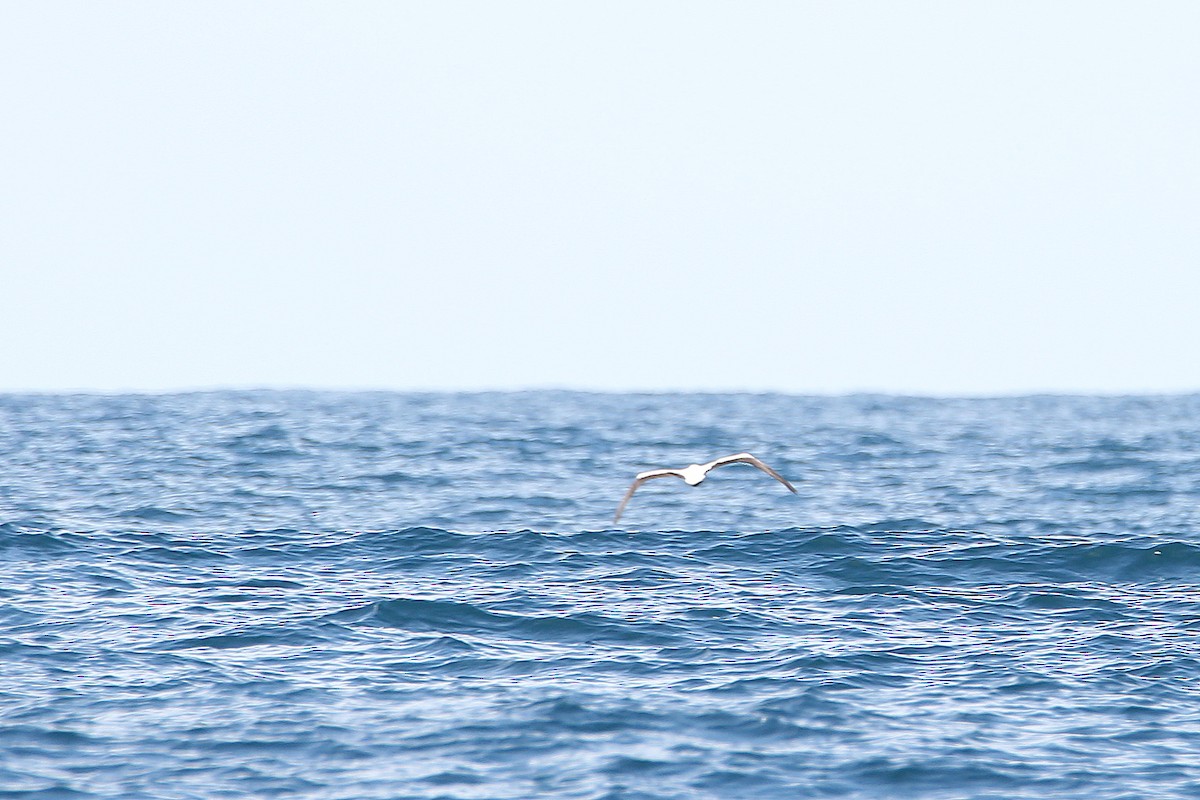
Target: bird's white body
{"type": "Point", "coordinates": [694, 474]}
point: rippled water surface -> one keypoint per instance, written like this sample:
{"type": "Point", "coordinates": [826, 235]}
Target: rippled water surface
{"type": "Point", "coordinates": [323, 595]}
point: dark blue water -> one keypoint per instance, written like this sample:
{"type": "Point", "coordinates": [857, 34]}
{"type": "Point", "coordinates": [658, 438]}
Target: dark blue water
{"type": "Point", "coordinates": [321, 595]}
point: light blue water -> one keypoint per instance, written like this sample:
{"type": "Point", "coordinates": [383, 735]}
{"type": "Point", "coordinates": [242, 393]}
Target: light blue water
{"type": "Point", "coordinates": [321, 595]}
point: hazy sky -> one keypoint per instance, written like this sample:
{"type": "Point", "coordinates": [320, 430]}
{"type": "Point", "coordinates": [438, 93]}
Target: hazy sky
{"type": "Point", "coordinates": [932, 197]}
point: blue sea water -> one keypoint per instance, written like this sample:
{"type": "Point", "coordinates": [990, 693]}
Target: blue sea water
{"type": "Point", "coordinates": [373, 595]}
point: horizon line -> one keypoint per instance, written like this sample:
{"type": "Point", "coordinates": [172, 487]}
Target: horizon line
{"type": "Point", "coordinates": [561, 389]}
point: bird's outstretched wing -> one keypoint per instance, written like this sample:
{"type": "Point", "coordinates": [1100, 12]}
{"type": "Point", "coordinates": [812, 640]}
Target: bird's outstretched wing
{"type": "Point", "coordinates": [746, 458]}
{"type": "Point", "coordinates": [641, 478]}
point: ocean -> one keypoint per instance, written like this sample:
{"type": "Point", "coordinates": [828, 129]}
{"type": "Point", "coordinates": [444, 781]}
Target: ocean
{"type": "Point", "coordinates": [377, 595]}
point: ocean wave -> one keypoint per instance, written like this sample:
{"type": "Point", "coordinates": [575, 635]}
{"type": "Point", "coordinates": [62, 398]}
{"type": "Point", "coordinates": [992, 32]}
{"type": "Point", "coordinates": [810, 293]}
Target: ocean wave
{"type": "Point", "coordinates": [469, 619]}
{"type": "Point", "coordinates": [882, 553]}
{"type": "Point", "coordinates": [372, 595]}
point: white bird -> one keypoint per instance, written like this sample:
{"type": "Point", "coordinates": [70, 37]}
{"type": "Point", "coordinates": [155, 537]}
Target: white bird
{"type": "Point", "coordinates": [692, 475]}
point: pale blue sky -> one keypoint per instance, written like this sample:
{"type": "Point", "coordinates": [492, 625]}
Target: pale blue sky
{"type": "Point", "coordinates": [930, 197]}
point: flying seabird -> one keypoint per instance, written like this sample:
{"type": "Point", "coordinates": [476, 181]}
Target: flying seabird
{"type": "Point", "coordinates": [694, 474]}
